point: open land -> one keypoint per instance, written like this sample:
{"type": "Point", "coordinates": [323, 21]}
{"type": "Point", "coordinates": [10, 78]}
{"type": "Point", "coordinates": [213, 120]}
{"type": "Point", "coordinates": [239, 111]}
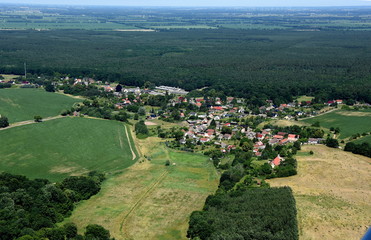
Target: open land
{"type": "Point", "coordinates": [364, 139]}
{"type": "Point", "coordinates": [150, 200]}
{"type": "Point", "coordinates": [349, 122]}
{"type": "Point", "coordinates": [332, 192]}
{"type": "Point", "coordinates": [22, 104]}
{"type": "Point", "coordinates": [62, 147]}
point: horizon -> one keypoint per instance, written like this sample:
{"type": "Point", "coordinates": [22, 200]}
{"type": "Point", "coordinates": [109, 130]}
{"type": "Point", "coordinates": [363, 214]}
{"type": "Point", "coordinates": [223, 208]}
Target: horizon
{"type": "Point", "coordinates": [194, 3]}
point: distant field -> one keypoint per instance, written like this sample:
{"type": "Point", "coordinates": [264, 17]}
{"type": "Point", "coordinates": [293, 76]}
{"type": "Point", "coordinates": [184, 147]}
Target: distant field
{"type": "Point", "coordinates": [62, 147]}
{"type": "Point", "coordinates": [150, 200]}
{"type": "Point", "coordinates": [364, 139]}
{"type": "Point", "coordinates": [304, 98]}
{"type": "Point", "coordinates": [349, 122]}
{"type": "Point", "coordinates": [22, 104]}
{"type": "Point", "coordinates": [332, 192]}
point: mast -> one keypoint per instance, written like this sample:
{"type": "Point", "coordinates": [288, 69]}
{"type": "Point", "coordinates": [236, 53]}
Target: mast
{"type": "Point", "coordinates": [25, 70]}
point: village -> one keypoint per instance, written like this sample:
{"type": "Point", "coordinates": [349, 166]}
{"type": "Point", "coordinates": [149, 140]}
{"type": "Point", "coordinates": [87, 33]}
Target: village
{"type": "Point", "coordinates": [206, 123]}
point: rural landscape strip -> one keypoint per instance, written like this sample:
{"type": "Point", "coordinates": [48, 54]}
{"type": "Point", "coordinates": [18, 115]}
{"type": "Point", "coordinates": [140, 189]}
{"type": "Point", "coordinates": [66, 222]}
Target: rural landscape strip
{"type": "Point", "coordinates": [23, 123]}
{"type": "Point", "coordinates": [129, 141]}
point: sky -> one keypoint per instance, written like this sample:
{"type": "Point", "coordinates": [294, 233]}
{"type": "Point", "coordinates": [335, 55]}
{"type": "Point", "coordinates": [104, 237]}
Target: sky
{"type": "Point", "coordinates": [211, 3]}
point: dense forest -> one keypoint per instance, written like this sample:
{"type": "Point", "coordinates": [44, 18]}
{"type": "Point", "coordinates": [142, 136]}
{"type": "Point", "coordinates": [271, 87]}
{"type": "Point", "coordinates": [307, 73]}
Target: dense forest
{"type": "Point", "coordinates": [30, 209]}
{"type": "Point", "coordinates": [256, 64]}
{"type": "Point", "coordinates": [255, 213]}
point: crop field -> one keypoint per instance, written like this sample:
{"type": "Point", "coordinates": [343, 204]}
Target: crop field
{"type": "Point", "coordinates": [150, 200]}
{"type": "Point", "coordinates": [332, 192]}
{"type": "Point", "coordinates": [22, 104]}
{"type": "Point", "coordinates": [364, 139]}
{"type": "Point", "coordinates": [349, 122]}
{"type": "Point", "coordinates": [63, 147]}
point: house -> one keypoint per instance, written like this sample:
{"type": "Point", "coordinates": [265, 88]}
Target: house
{"type": "Point", "coordinates": [293, 137]}
{"type": "Point", "coordinates": [283, 141]}
{"type": "Point", "coordinates": [258, 154]}
{"type": "Point", "coordinates": [281, 133]}
{"type": "Point", "coordinates": [315, 140]}
{"type": "Point", "coordinates": [276, 162]}
{"type": "Point", "coordinates": [227, 136]}
{"type": "Point", "coordinates": [278, 137]}
{"type": "Point", "coordinates": [204, 140]}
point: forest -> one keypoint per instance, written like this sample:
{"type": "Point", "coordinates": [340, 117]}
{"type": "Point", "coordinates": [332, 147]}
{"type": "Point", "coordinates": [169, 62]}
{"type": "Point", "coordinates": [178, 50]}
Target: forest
{"type": "Point", "coordinates": [30, 209]}
{"type": "Point", "coordinates": [255, 213]}
{"type": "Point", "coordinates": [256, 64]}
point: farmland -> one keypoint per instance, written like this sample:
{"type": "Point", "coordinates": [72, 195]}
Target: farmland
{"type": "Point", "coordinates": [332, 192]}
{"type": "Point", "coordinates": [364, 139]}
{"type": "Point", "coordinates": [349, 122]}
{"type": "Point", "coordinates": [150, 200]}
{"type": "Point", "coordinates": [22, 104]}
{"type": "Point", "coordinates": [62, 147]}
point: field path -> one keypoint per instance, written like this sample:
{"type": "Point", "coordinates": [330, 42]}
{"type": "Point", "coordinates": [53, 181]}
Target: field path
{"type": "Point", "coordinates": [137, 203]}
{"type": "Point", "coordinates": [131, 148]}
{"type": "Point", "coordinates": [18, 124]}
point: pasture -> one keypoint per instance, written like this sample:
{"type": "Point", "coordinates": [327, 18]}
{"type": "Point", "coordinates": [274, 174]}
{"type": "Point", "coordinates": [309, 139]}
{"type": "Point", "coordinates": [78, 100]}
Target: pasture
{"type": "Point", "coordinates": [332, 192]}
{"type": "Point", "coordinates": [150, 200]}
{"type": "Point", "coordinates": [349, 122]}
{"type": "Point", "coordinates": [67, 146]}
{"type": "Point", "coordinates": [364, 139]}
{"type": "Point", "coordinates": [20, 104]}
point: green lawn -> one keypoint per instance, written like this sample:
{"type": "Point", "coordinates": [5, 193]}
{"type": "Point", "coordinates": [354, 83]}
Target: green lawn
{"type": "Point", "coordinates": [349, 122]}
{"type": "Point", "coordinates": [62, 147]}
{"type": "Point", "coordinates": [20, 104]}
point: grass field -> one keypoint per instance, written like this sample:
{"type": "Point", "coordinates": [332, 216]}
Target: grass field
{"type": "Point", "coordinates": [150, 200]}
{"type": "Point", "coordinates": [62, 147]}
{"type": "Point", "coordinates": [364, 139]}
{"type": "Point", "coordinates": [22, 104]}
{"type": "Point", "coordinates": [332, 192]}
{"type": "Point", "coordinates": [349, 122]}
{"type": "Point", "coordinates": [304, 98]}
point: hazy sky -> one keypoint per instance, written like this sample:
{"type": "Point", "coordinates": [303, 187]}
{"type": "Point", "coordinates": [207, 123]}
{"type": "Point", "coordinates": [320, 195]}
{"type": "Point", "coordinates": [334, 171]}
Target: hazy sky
{"type": "Point", "coordinates": [249, 3]}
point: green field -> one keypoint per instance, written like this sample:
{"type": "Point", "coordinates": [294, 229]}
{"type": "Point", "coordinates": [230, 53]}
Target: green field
{"type": "Point", "coordinates": [364, 139]}
{"type": "Point", "coordinates": [62, 147]}
{"type": "Point", "coordinates": [22, 104]}
{"type": "Point", "coordinates": [150, 200]}
{"type": "Point", "coordinates": [349, 122]}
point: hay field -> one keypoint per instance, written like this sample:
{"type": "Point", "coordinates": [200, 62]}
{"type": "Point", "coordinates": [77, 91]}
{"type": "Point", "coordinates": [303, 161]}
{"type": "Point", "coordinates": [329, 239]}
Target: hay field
{"type": "Point", "coordinates": [332, 192]}
{"type": "Point", "coordinates": [150, 200]}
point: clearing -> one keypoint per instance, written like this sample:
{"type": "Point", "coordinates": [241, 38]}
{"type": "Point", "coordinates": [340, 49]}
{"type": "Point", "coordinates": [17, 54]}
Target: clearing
{"type": "Point", "coordinates": [150, 200]}
{"type": "Point", "coordinates": [332, 192]}
{"type": "Point", "coordinates": [20, 104]}
{"type": "Point", "coordinates": [67, 146]}
{"type": "Point", "coordinates": [349, 122]}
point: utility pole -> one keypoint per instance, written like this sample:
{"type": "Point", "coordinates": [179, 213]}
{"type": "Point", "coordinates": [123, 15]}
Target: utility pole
{"type": "Point", "coordinates": [25, 71]}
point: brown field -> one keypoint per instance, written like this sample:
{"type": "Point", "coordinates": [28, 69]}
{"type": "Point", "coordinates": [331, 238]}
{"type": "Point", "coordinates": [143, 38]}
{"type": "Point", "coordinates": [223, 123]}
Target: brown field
{"type": "Point", "coordinates": [332, 192]}
{"type": "Point", "coordinates": [150, 200]}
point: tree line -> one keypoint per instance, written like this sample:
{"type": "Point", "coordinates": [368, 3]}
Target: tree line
{"type": "Point", "coordinates": [30, 209]}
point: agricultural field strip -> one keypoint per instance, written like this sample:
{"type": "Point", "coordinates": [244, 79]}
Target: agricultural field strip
{"type": "Point", "coordinates": [18, 124]}
{"type": "Point", "coordinates": [144, 195]}
{"type": "Point", "coordinates": [129, 141]}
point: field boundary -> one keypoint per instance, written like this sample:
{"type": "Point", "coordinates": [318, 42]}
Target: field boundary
{"type": "Point", "coordinates": [137, 203]}
{"type": "Point", "coordinates": [129, 141]}
{"type": "Point", "coordinates": [28, 122]}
